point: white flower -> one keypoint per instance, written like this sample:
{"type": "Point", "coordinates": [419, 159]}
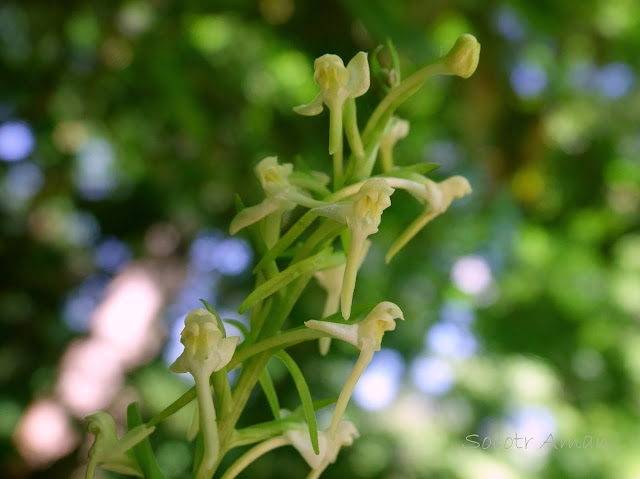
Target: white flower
{"type": "Point", "coordinates": [368, 333]}
{"type": "Point", "coordinates": [366, 336]}
{"type": "Point", "coordinates": [205, 348]}
{"type": "Point", "coordinates": [362, 215]}
{"type": "Point", "coordinates": [337, 84]}
{"type": "Point", "coordinates": [436, 197]}
{"type": "Point", "coordinates": [111, 452]}
{"type": "Point", "coordinates": [329, 446]}
{"type": "Point", "coordinates": [281, 194]}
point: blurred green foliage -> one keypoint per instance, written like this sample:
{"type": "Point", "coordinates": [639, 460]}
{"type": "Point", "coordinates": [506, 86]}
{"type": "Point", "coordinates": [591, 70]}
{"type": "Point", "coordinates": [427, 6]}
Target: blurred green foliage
{"type": "Point", "coordinates": [147, 117]}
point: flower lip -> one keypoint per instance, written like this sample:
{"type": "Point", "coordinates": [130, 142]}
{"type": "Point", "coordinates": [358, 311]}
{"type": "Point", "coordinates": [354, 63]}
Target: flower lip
{"type": "Point", "coordinates": [371, 200]}
{"type": "Point", "coordinates": [330, 73]}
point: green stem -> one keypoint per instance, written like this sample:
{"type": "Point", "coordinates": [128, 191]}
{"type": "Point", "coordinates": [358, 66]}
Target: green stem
{"type": "Point", "coordinates": [246, 382]}
{"type": "Point", "coordinates": [351, 129]}
{"type": "Point", "coordinates": [384, 111]}
{"type": "Point", "coordinates": [322, 260]}
{"type": "Point", "coordinates": [287, 239]}
{"type": "Point", "coordinates": [398, 95]}
{"type": "Point", "coordinates": [174, 407]}
{"type": "Point", "coordinates": [91, 469]}
{"type": "Point", "coordinates": [386, 158]}
{"type": "Point", "coordinates": [253, 454]}
{"type": "Point", "coordinates": [335, 142]}
{"type": "Point", "coordinates": [222, 390]}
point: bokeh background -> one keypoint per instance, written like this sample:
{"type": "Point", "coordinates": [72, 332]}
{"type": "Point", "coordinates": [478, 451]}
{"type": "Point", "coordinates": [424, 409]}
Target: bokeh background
{"type": "Point", "coordinates": [127, 127]}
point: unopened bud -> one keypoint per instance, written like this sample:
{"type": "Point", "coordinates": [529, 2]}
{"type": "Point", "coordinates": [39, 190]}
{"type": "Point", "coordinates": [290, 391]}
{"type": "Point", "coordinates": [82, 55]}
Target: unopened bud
{"type": "Point", "coordinates": [462, 59]}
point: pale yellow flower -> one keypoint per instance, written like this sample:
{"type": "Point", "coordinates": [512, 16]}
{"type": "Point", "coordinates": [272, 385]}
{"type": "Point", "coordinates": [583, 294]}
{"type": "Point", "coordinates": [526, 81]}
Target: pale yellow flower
{"type": "Point", "coordinates": [366, 336]}
{"type": "Point", "coordinates": [362, 215]}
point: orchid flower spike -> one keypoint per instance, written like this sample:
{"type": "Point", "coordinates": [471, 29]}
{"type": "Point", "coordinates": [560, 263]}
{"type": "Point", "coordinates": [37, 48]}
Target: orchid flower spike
{"type": "Point", "coordinates": [331, 281]}
{"type": "Point", "coordinates": [328, 445]}
{"type": "Point", "coordinates": [436, 197]}
{"type": "Point", "coordinates": [281, 194]}
{"type": "Point", "coordinates": [337, 84]}
{"type": "Point", "coordinates": [362, 215]}
{"type": "Point", "coordinates": [111, 452]}
{"type": "Point", "coordinates": [366, 336]}
{"type": "Point", "coordinates": [396, 130]}
{"type": "Point", "coordinates": [206, 350]}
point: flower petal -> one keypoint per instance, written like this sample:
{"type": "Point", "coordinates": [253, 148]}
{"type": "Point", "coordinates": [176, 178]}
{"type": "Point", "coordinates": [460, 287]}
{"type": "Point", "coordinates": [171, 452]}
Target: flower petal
{"type": "Point", "coordinates": [337, 212]}
{"type": "Point", "coordinates": [179, 365]}
{"type": "Point", "coordinates": [225, 349]}
{"type": "Point", "coordinates": [300, 440]}
{"type": "Point", "coordinates": [359, 81]}
{"type": "Point", "coordinates": [310, 109]}
{"type": "Point", "coordinates": [345, 332]}
{"type": "Point", "coordinates": [253, 214]}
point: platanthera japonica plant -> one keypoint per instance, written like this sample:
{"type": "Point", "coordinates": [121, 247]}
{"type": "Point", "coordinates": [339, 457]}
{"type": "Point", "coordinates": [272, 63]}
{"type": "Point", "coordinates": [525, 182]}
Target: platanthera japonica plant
{"type": "Point", "coordinates": [327, 244]}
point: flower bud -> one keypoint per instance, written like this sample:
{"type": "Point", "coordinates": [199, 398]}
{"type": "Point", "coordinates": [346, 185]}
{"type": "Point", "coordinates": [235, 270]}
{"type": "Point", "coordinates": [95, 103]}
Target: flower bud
{"type": "Point", "coordinates": [463, 58]}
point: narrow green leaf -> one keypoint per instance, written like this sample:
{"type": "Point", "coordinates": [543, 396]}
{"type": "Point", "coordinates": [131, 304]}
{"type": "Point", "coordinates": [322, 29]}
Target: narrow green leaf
{"type": "Point", "coordinates": [322, 260]}
{"type": "Point", "coordinates": [240, 325]}
{"type": "Point", "coordinates": [258, 315]}
{"type": "Point", "coordinates": [218, 320]}
{"type": "Point", "coordinates": [286, 240]}
{"type": "Point", "coordinates": [274, 343]}
{"type": "Point", "coordinates": [305, 397]}
{"type": "Point", "coordinates": [270, 392]}
{"type": "Point", "coordinates": [142, 451]}
{"type": "Point", "coordinates": [298, 413]}
{"type": "Point", "coordinates": [323, 235]}
{"type": "Point", "coordinates": [174, 407]}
